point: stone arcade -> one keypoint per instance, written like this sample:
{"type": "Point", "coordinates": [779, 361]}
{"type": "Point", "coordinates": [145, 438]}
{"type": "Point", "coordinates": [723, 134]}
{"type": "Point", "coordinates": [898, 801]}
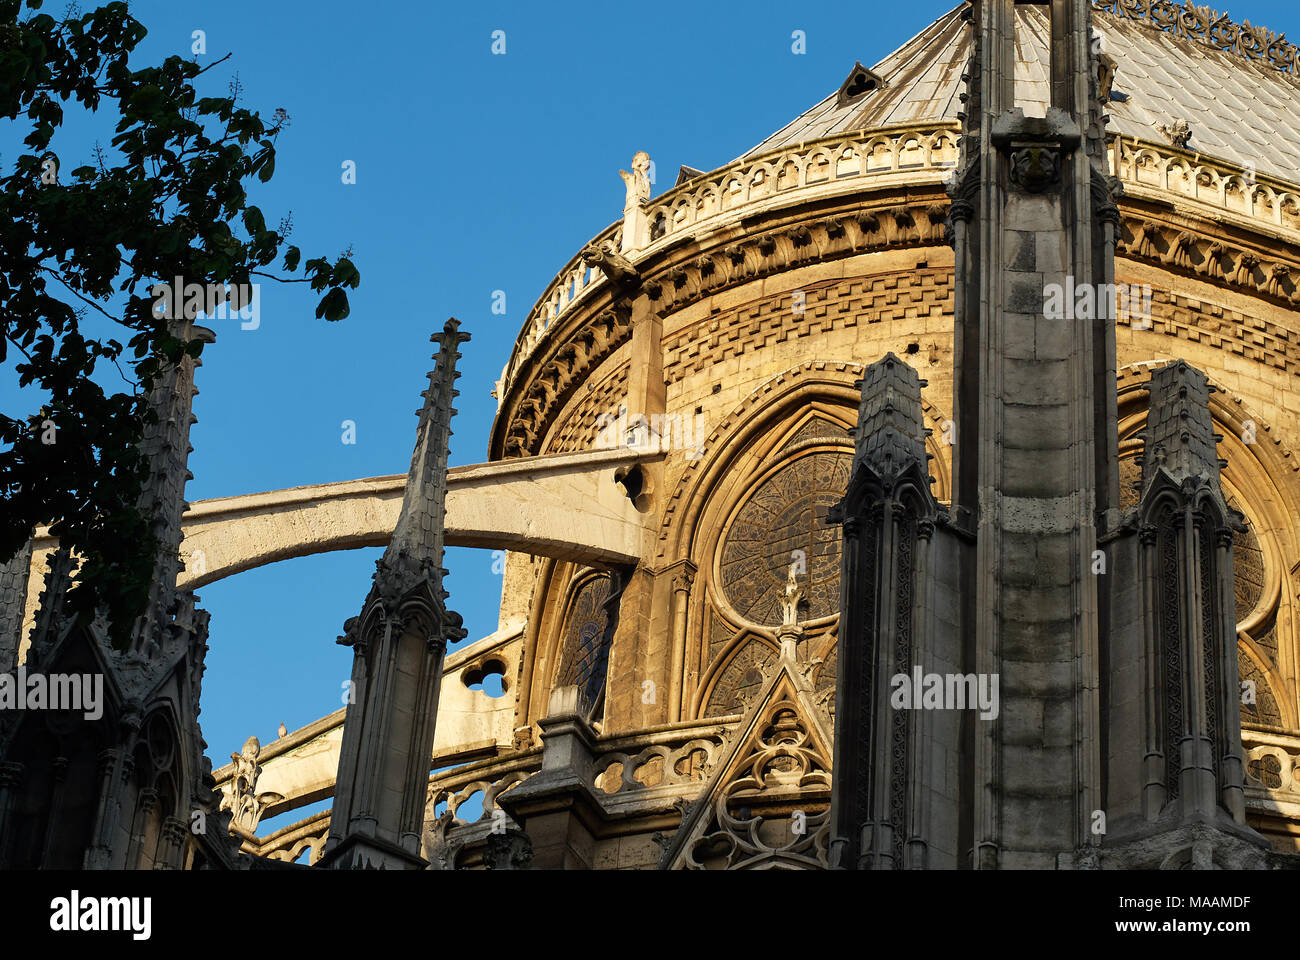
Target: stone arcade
{"type": "Point", "coordinates": [908, 465]}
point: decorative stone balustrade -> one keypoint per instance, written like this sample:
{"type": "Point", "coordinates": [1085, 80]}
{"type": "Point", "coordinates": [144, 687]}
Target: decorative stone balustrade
{"type": "Point", "coordinates": [916, 154]}
{"type": "Point", "coordinates": [572, 284]}
{"type": "Point", "coordinates": [1203, 23]}
{"type": "Point", "coordinates": [1144, 166]}
{"type": "Point", "coordinates": [782, 177]}
{"type": "Point", "coordinates": [1272, 775]}
{"type": "Point", "coordinates": [701, 203]}
{"type": "Point", "coordinates": [455, 787]}
{"type": "Point", "coordinates": [685, 759]}
{"type": "Point", "coordinates": [679, 762]}
{"type": "Point", "coordinates": [288, 843]}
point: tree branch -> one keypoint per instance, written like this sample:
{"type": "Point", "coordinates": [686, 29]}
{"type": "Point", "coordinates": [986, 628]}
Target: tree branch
{"type": "Point", "coordinates": [55, 274]}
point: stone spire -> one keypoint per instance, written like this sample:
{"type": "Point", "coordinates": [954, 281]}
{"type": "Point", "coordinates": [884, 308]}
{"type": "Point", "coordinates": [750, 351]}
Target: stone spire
{"type": "Point", "coordinates": [898, 619]}
{"type": "Point", "coordinates": [166, 445]}
{"type": "Point", "coordinates": [890, 435]}
{"type": "Point", "coordinates": [1179, 438]}
{"type": "Point", "coordinates": [1176, 771]}
{"type": "Point", "coordinates": [150, 703]}
{"type": "Point", "coordinates": [399, 641]}
{"type": "Point", "coordinates": [414, 555]}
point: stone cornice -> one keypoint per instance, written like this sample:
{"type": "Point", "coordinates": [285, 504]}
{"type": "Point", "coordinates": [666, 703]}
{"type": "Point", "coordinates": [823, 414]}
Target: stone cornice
{"type": "Point", "coordinates": [888, 225]}
{"type": "Point", "coordinates": [787, 176]}
{"type": "Point", "coordinates": [672, 282]}
{"type": "Point", "coordinates": [1196, 252]}
{"type": "Point", "coordinates": [702, 240]}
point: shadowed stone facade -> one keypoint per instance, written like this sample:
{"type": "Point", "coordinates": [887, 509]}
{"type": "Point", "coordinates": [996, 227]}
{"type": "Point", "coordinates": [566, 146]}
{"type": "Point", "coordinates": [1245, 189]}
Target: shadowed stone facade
{"type": "Point", "coordinates": [850, 444]}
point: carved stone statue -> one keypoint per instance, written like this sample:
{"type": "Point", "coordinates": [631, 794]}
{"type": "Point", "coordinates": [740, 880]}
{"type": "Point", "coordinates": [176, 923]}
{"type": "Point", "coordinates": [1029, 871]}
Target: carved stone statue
{"type": "Point", "coordinates": [638, 181]}
{"type": "Point", "coordinates": [793, 599]}
{"type": "Point", "coordinates": [241, 798]}
{"type": "Point", "coordinates": [1179, 132]}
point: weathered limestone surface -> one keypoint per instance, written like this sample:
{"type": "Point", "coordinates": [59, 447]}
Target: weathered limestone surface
{"type": "Point", "coordinates": [752, 298]}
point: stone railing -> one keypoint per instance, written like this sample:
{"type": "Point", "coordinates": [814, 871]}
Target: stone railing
{"type": "Point", "coordinates": [714, 198]}
{"type": "Point", "coordinates": [661, 763]}
{"type": "Point", "coordinates": [572, 284]}
{"type": "Point", "coordinates": [786, 175]}
{"type": "Point", "coordinates": [1271, 766]}
{"type": "Point", "coordinates": [491, 778]}
{"type": "Point", "coordinates": [448, 790]}
{"type": "Point", "coordinates": [289, 842]}
{"type": "Point", "coordinates": [658, 766]}
{"type": "Point", "coordinates": [1144, 165]}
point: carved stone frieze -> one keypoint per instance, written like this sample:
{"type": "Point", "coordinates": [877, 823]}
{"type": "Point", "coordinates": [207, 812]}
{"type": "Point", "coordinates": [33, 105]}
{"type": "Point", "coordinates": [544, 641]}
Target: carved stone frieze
{"type": "Point", "coordinates": [1190, 251]}
{"type": "Point", "coordinates": [816, 241]}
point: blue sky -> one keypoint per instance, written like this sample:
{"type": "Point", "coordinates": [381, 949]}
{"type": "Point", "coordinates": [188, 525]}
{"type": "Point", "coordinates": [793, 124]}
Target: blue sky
{"type": "Point", "coordinates": [474, 172]}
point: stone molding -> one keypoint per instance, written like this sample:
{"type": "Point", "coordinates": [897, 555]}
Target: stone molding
{"type": "Point", "coordinates": [710, 208]}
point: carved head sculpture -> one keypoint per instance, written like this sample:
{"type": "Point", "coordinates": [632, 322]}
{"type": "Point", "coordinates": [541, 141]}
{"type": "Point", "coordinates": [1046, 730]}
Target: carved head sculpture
{"type": "Point", "coordinates": [1035, 168]}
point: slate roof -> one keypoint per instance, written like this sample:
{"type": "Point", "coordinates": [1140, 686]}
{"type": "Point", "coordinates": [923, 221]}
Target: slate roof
{"type": "Point", "coordinates": [1240, 110]}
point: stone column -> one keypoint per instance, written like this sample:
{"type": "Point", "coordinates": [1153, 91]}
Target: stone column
{"type": "Point", "coordinates": [148, 800]}
{"type": "Point", "coordinates": [1198, 795]}
{"type": "Point", "coordinates": [682, 582]}
{"type": "Point", "coordinates": [171, 845]}
{"type": "Point", "coordinates": [54, 825]}
{"type": "Point", "coordinates": [1232, 767]}
{"type": "Point", "coordinates": [98, 856]}
{"type": "Point", "coordinates": [11, 780]}
{"type": "Point", "coordinates": [1154, 793]}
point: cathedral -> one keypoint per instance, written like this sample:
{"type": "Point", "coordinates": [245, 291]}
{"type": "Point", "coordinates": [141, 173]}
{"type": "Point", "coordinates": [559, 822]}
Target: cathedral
{"type": "Point", "coordinates": [916, 491]}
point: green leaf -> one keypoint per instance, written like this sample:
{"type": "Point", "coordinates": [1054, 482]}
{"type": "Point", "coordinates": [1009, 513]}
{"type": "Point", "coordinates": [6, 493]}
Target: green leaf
{"type": "Point", "coordinates": [345, 274]}
{"type": "Point", "coordinates": [334, 306]}
{"type": "Point", "coordinates": [254, 222]}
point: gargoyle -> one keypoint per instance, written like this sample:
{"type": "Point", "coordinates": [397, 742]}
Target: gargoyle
{"type": "Point", "coordinates": [616, 267]}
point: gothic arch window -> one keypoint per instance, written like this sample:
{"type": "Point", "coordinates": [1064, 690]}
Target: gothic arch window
{"type": "Point", "coordinates": [584, 643]}
{"type": "Point", "coordinates": [156, 797]}
{"type": "Point", "coordinates": [770, 514]}
{"type": "Point", "coordinates": [783, 521]}
{"type": "Point", "coordinates": [740, 679]}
